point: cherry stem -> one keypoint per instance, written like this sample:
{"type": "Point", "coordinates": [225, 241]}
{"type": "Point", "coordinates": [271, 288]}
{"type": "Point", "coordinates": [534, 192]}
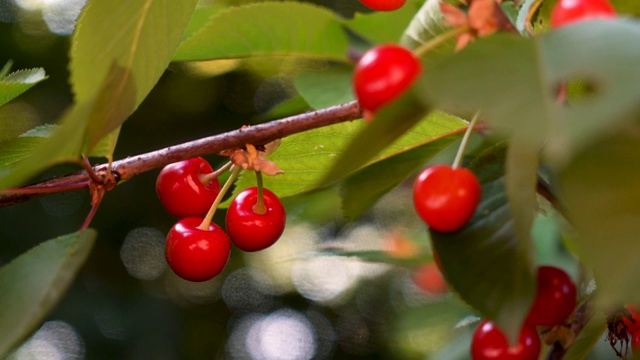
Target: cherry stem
{"type": "Point", "coordinates": [465, 140]}
{"type": "Point", "coordinates": [259, 207]}
{"type": "Point", "coordinates": [532, 10]}
{"type": "Point", "coordinates": [439, 40]}
{"type": "Point", "coordinates": [204, 225]}
{"type": "Point", "coordinates": [206, 179]}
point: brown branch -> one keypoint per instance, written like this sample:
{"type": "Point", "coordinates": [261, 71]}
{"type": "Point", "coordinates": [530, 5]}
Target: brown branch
{"type": "Point", "coordinates": [131, 166]}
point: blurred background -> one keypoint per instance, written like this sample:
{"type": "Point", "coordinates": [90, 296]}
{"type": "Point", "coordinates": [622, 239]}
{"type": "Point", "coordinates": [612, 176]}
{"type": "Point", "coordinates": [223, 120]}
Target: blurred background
{"type": "Point", "coordinates": [296, 300]}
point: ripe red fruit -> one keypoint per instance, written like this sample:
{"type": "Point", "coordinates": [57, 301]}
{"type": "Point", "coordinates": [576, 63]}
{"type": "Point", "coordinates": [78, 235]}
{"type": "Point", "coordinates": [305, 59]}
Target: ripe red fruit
{"type": "Point", "coordinates": [382, 74]}
{"type": "Point", "coordinates": [446, 198]}
{"type": "Point", "coordinates": [555, 298]}
{"type": "Point", "coordinates": [195, 254]}
{"type": "Point", "coordinates": [632, 327]}
{"type": "Point", "coordinates": [490, 343]}
{"type": "Point", "coordinates": [249, 230]}
{"type": "Point", "coordinates": [181, 191]}
{"type": "Point", "coordinates": [383, 5]}
{"type": "Point", "coordinates": [569, 11]}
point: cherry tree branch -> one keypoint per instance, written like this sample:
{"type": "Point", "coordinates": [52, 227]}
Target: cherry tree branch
{"type": "Point", "coordinates": [131, 166]}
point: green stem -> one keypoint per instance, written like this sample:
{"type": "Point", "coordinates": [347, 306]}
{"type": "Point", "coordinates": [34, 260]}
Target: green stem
{"type": "Point", "coordinates": [205, 179]}
{"type": "Point", "coordinates": [465, 140]}
{"type": "Point", "coordinates": [204, 225]}
{"type": "Point", "coordinates": [259, 207]}
{"type": "Point", "coordinates": [439, 40]}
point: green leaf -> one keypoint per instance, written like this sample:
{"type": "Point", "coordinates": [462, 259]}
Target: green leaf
{"type": "Point", "coordinates": [485, 262]}
{"type": "Point", "coordinates": [527, 73]}
{"type": "Point", "coordinates": [588, 338]}
{"type": "Point", "coordinates": [32, 284]}
{"type": "Point", "coordinates": [5, 69]}
{"type": "Point", "coordinates": [425, 25]}
{"type": "Point", "coordinates": [268, 29]}
{"type": "Point", "coordinates": [395, 22]}
{"type": "Point", "coordinates": [600, 191]}
{"type": "Point", "coordinates": [18, 82]}
{"type": "Point", "coordinates": [200, 18]}
{"type": "Point", "coordinates": [13, 150]}
{"type": "Point", "coordinates": [321, 89]}
{"type": "Point", "coordinates": [305, 157]}
{"type": "Point", "coordinates": [362, 189]}
{"type": "Point", "coordinates": [119, 52]}
{"type": "Point", "coordinates": [390, 123]}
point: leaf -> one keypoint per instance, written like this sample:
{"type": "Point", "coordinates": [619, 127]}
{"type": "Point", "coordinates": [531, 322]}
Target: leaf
{"type": "Point", "coordinates": [32, 284]}
{"type": "Point", "coordinates": [362, 189]}
{"type": "Point", "coordinates": [395, 22]}
{"type": "Point", "coordinates": [18, 82]}
{"type": "Point", "coordinates": [389, 124]}
{"type": "Point", "coordinates": [485, 262]}
{"type": "Point", "coordinates": [5, 69]}
{"type": "Point", "coordinates": [600, 191]}
{"type": "Point", "coordinates": [268, 29]}
{"type": "Point", "coordinates": [527, 73]}
{"type": "Point", "coordinates": [425, 25]}
{"type": "Point", "coordinates": [588, 338]}
{"type": "Point", "coordinates": [13, 150]}
{"type": "Point", "coordinates": [321, 89]}
{"type": "Point", "coordinates": [200, 18]}
{"type": "Point", "coordinates": [305, 157]}
{"type": "Point", "coordinates": [119, 52]}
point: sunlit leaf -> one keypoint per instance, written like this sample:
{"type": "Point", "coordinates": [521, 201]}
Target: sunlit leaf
{"type": "Point", "coordinates": [18, 82]}
{"type": "Point", "coordinates": [485, 262]}
{"type": "Point", "coordinates": [425, 25]}
{"type": "Point", "coordinates": [33, 283]}
{"type": "Point", "coordinates": [268, 29]}
{"type": "Point", "coordinates": [305, 157]}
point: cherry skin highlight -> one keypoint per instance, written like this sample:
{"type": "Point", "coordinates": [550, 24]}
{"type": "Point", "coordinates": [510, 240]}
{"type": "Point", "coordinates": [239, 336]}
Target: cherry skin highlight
{"type": "Point", "coordinates": [566, 12]}
{"type": "Point", "coordinates": [446, 198]}
{"type": "Point", "coordinates": [490, 343]}
{"type": "Point", "coordinates": [250, 231]}
{"type": "Point", "coordinates": [383, 5]}
{"type": "Point", "coordinates": [555, 298]}
{"type": "Point", "coordinates": [195, 254]}
{"type": "Point", "coordinates": [181, 191]}
{"type": "Point", "coordinates": [383, 74]}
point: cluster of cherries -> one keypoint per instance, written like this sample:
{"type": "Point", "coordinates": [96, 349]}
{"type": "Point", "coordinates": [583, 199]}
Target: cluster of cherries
{"type": "Point", "coordinates": [198, 249]}
{"type": "Point", "coordinates": [555, 301]}
{"type": "Point", "coordinates": [446, 197]}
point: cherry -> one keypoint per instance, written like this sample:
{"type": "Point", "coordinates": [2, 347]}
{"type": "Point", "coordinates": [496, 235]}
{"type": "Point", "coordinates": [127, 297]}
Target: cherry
{"type": "Point", "coordinates": [446, 197]}
{"type": "Point", "coordinates": [382, 74]}
{"type": "Point", "coordinates": [569, 11]}
{"type": "Point", "coordinates": [383, 5]}
{"type": "Point", "coordinates": [182, 191]}
{"type": "Point", "coordinates": [490, 343]}
{"type": "Point", "coordinates": [632, 327]}
{"type": "Point", "coordinates": [429, 279]}
{"type": "Point", "coordinates": [195, 254]}
{"type": "Point", "coordinates": [253, 229]}
{"type": "Point", "coordinates": [555, 298]}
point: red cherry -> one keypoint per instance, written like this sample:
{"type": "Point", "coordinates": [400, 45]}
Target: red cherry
{"type": "Point", "coordinates": [490, 343]}
{"type": "Point", "coordinates": [569, 11]}
{"type": "Point", "coordinates": [635, 341]}
{"type": "Point", "coordinates": [382, 74]}
{"type": "Point", "coordinates": [250, 231]}
{"type": "Point", "coordinates": [195, 254]}
{"type": "Point", "coordinates": [446, 198]}
{"type": "Point", "coordinates": [181, 191]}
{"type": "Point", "coordinates": [428, 278]}
{"type": "Point", "coordinates": [555, 298]}
{"type": "Point", "coordinates": [632, 327]}
{"type": "Point", "coordinates": [383, 5]}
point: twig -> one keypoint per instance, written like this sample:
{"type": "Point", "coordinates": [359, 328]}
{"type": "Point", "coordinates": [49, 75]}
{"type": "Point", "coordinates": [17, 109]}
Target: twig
{"type": "Point", "coordinates": [134, 165]}
{"type": "Point", "coordinates": [580, 320]}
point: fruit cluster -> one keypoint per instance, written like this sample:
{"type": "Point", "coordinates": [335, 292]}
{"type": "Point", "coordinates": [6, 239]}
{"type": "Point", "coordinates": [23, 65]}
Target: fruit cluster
{"type": "Point", "coordinates": [555, 301]}
{"type": "Point", "coordinates": [198, 249]}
